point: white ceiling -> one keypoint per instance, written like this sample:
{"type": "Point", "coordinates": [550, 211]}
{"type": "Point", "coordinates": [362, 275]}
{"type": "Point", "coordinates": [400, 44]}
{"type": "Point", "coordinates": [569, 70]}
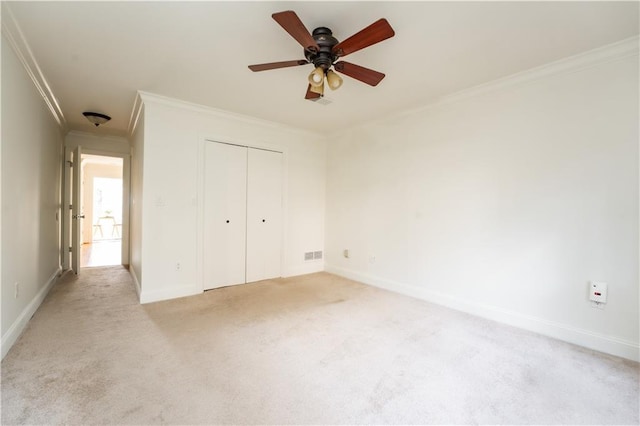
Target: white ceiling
{"type": "Point", "coordinates": [96, 55]}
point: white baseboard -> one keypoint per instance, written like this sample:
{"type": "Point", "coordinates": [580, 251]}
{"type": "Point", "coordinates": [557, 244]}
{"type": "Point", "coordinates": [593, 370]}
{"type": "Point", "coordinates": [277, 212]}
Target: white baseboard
{"type": "Point", "coordinates": [18, 326]}
{"type": "Point", "coordinates": [308, 268]}
{"type": "Point", "coordinates": [169, 293]}
{"type": "Point", "coordinates": [136, 282]}
{"type": "Point", "coordinates": [599, 342]}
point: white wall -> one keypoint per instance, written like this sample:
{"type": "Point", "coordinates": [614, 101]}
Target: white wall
{"type": "Point", "coordinates": [174, 134]}
{"type": "Point", "coordinates": [96, 143]}
{"type": "Point", "coordinates": [31, 179]}
{"type": "Point", "coordinates": [504, 204]}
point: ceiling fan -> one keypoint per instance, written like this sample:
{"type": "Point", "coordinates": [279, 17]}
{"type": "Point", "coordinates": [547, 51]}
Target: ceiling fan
{"type": "Point", "coordinates": [324, 51]}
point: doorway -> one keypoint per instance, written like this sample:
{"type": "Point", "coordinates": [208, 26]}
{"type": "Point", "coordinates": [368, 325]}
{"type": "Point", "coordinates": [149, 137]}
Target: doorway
{"type": "Point", "coordinates": [101, 205]}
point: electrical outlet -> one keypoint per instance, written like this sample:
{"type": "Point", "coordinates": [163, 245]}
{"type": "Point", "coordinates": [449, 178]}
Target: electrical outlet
{"type": "Point", "coordinates": [17, 290]}
{"type": "Point", "coordinates": [598, 294]}
{"type": "Point", "coordinates": [372, 259]}
{"type": "Point", "coordinates": [178, 266]}
{"type": "Point", "coordinates": [345, 253]}
{"type": "Point", "coordinates": [598, 291]}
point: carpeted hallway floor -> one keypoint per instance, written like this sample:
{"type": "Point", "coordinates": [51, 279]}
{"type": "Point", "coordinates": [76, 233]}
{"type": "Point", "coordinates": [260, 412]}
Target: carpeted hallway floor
{"type": "Point", "coordinates": [313, 349]}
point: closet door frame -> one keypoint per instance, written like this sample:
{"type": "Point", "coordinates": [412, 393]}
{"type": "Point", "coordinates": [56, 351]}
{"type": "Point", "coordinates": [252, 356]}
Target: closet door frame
{"type": "Point", "coordinates": [200, 171]}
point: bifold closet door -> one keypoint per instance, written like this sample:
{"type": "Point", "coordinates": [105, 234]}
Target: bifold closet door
{"type": "Point", "coordinates": [264, 215]}
{"type": "Point", "coordinates": [225, 217]}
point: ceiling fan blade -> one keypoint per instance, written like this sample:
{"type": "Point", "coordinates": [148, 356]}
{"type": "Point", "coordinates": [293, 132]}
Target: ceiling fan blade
{"type": "Point", "coordinates": [312, 96]}
{"type": "Point", "coordinates": [363, 74]}
{"type": "Point", "coordinates": [294, 26]}
{"type": "Point", "coordinates": [275, 65]}
{"type": "Point", "coordinates": [374, 33]}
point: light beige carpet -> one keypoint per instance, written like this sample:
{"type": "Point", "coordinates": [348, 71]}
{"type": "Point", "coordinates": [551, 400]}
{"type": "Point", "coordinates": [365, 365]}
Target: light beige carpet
{"type": "Point", "coordinates": [312, 349]}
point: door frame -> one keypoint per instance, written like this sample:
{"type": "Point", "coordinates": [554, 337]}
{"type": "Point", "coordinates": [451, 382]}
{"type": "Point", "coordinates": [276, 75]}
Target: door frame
{"type": "Point", "coordinates": [65, 213]}
{"type": "Point", "coordinates": [77, 211]}
{"type": "Point", "coordinates": [126, 199]}
{"type": "Point", "coordinates": [200, 173]}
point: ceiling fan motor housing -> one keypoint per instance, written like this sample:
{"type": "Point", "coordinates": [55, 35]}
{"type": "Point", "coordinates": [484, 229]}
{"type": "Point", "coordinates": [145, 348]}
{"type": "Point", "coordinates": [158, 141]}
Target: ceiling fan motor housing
{"type": "Point", "coordinates": [324, 57]}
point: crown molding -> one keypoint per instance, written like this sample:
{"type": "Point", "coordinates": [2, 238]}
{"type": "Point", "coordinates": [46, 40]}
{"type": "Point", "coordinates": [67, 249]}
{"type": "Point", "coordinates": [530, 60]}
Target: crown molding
{"type": "Point", "coordinates": [12, 32]}
{"type": "Point", "coordinates": [609, 53]}
{"type": "Point", "coordinates": [147, 97]}
{"type": "Point", "coordinates": [591, 58]}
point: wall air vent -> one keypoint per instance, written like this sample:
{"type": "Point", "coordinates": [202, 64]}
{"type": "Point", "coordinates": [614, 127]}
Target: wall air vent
{"type": "Point", "coordinates": [313, 255]}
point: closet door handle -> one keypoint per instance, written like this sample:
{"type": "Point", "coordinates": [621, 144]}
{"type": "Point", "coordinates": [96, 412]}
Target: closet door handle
{"type": "Point", "coordinates": [227, 221]}
{"type": "Point", "coordinates": [263, 220]}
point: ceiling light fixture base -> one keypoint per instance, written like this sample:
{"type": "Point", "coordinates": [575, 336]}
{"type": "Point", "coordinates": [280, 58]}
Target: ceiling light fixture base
{"type": "Point", "coordinates": [96, 118]}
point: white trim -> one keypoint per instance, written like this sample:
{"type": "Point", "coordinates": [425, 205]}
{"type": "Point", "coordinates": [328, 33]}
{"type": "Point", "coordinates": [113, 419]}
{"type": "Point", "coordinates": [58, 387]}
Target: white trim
{"type": "Point", "coordinates": [136, 283]}
{"type": "Point", "coordinates": [105, 153]}
{"type": "Point", "coordinates": [284, 246]}
{"type": "Point", "coordinates": [226, 115]}
{"type": "Point", "coordinates": [135, 115]}
{"type": "Point", "coordinates": [200, 166]}
{"type": "Point", "coordinates": [169, 293]}
{"type": "Point", "coordinates": [599, 342]}
{"type": "Point", "coordinates": [245, 143]}
{"type": "Point", "coordinates": [11, 30]}
{"type": "Point", "coordinates": [18, 326]}
{"type": "Point", "coordinates": [591, 58]}
{"type": "Point", "coordinates": [65, 214]}
{"type": "Point", "coordinates": [612, 52]}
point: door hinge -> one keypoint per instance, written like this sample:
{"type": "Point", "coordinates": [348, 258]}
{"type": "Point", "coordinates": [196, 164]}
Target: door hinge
{"type": "Point", "coordinates": [70, 163]}
{"type": "Point", "coordinates": [70, 249]}
{"type": "Point", "coordinates": [70, 206]}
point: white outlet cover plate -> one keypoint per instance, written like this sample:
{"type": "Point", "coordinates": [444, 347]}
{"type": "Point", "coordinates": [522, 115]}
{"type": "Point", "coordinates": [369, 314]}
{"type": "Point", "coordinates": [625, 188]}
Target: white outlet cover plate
{"type": "Point", "coordinates": [598, 292]}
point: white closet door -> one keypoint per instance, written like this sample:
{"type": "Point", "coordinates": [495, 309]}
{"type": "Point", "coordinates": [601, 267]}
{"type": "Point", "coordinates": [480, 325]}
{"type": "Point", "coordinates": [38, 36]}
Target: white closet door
{"type": "Point", "coordinates": [264, 215]}
{"type": "Point", "coordinates": [225, 217]}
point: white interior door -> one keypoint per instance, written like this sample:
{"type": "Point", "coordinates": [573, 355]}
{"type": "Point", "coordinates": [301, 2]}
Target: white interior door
{"type": "Point", "coordinates": [264, 214]}
{"type": "Point", "coordinates": [225, 186]}
{"type": "Point", "coordinates": [76, 210]}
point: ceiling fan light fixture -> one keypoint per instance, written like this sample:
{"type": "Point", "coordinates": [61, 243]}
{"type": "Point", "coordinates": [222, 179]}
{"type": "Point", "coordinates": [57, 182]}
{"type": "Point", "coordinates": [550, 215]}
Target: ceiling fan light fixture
{"type": "Point", "coordinates": [96, 118]}
{"type": "Point", "coordinates": [316, 78]}
{"type": "Point", "coordinates": [333, 80]}
{"type": "Point", "coordinates": [323, 50]}
{"type": "Point", "coordinates": [318, 89]}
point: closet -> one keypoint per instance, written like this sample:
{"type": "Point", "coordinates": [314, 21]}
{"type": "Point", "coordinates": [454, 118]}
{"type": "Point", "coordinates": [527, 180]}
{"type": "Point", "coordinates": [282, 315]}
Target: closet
{"type": "Point", "coordinates": [242, 214]}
